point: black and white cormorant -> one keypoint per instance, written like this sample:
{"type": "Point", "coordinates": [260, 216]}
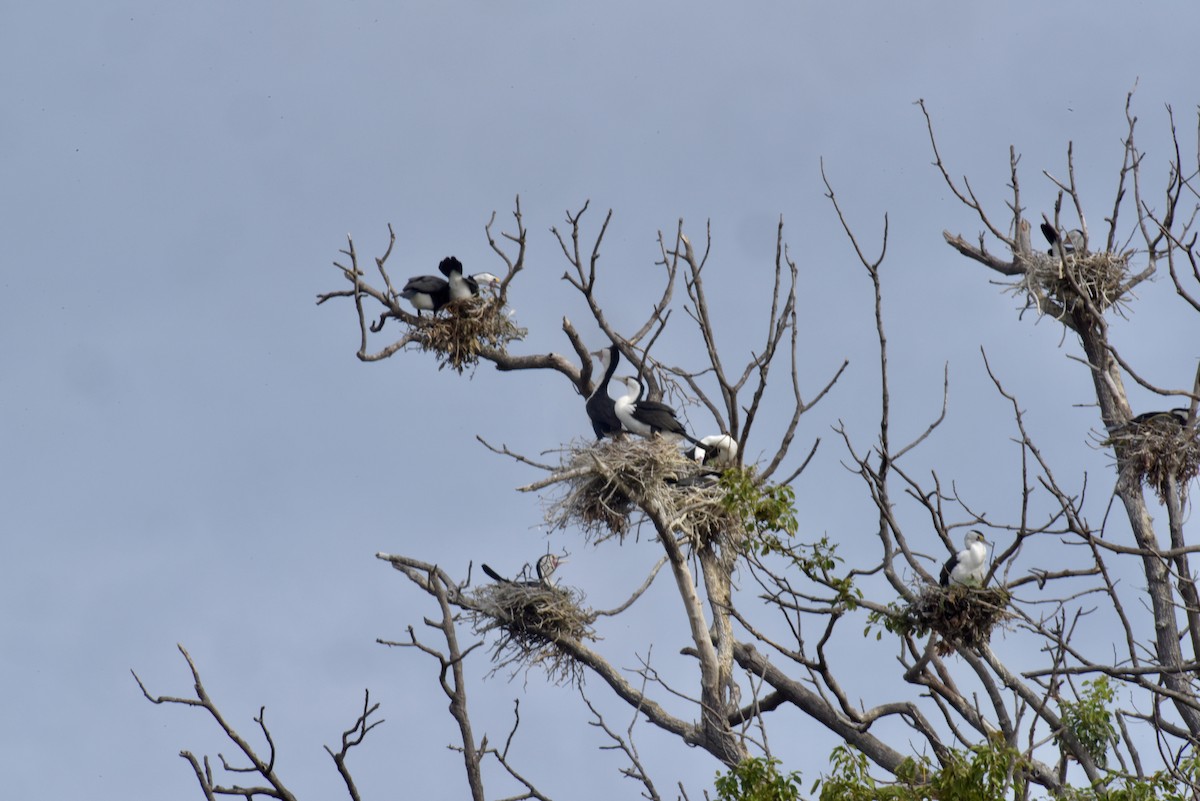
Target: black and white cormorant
{"type": "Point", "coordinates": [646, 418]}
{"type": "Point", "coordinates": [968, 566]}
{"type": "Point", "coordinates": [463, 286]}
{"type": "Point", "coordinates": [1072, 243]}
{"type": "Point", "coordinates": [601, 408]}
{"type": "Point", "coordinates": [545, 567]}
{"type": "Point", "coordinates": [426, 293]}
{"type": "Point", "coordinates": [1179, 415]}
{"type": "Point", "coordinates": [716, 450]}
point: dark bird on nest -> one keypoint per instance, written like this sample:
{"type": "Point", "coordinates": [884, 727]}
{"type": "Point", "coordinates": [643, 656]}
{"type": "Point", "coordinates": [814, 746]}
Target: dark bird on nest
{"type": "Point", "coordinates": [463, 286]}
{"type": "Point", "coordinates": [647, 418]}
{"type": "Point", "coordinates": [426, 293]}
{"type": "Point", "coordinates": [1179, 415]}
{"type": "Point", "coordinates": [545, 567]}
{"type": "Point", "coordinates": [601, 408]}
{"type": "Point", "coordinates": [716, 450]}
{"type": "Point", "coordinates": [968, 566]}
{"type": "Point", "coordinates": [1072, 244]}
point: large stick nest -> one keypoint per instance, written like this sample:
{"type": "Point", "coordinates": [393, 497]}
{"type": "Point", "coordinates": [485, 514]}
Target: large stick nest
{"type": "Point", "coordinates": [605, 485]}
{"type": "Point", "coordinates": [467, 327]}
{"type": "Point", "coordinates": [1157, 449]}
{"type": "Point", "coordinates": [963, 616]}
{"type": "Point", "coordinates": [1075, 280]}
{"type": "Point", "coordinates": [531, 619]}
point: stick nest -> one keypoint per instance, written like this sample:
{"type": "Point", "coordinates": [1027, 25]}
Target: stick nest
{"type": "Point", "coordinates": [1156, 450]}
{"type": "Point", "coordinates": [1076, 280]}
{"type": "Point", "coordinates": [469, 327]}
{"type": "Point", "coordinates": [531, 620]}
{"type": "Point", "coordinates": [606, 484]}
{"type": "Point", "coordinates": [963, 616]}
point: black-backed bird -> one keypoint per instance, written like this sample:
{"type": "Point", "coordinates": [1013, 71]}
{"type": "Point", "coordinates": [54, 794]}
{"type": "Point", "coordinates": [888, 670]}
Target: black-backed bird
{"type": "Point", "coordinates": [968, 566]}
{"type": "Point", "coordinates": [646, 418]}
{"type": "Point", "coordinates": [716, 450]}
{"type": "Point", "coordinates": [601, 408]}
{"type": "Point", "coordinates": [426, 293]}
{"type": "Point", "coordinates": [463, 286]}
{"type": "Point", "coordinates": [1071, 245]}
{"type": "Point", "coordinates": [545, 567]}
{"type": "Point", "coordinates": [1178, 414]}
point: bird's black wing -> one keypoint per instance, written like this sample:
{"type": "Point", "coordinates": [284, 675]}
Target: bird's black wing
{"type": "Point", "coordinates": [947, 568]}
{"type": "Point", "coordinates": [1049, 232]}
{"type": "Point", "coordinates": [426, 283]}
{"type": "Point", "coordinates": [494, 576]}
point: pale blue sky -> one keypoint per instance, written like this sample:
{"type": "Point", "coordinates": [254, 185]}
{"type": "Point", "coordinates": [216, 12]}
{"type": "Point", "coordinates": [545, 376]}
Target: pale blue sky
{"type": "Point", "coordinates": [191, 453]}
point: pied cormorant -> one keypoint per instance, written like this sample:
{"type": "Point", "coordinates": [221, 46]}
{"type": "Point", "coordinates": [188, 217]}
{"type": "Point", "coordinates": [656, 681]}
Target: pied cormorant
{"type": "Point", "coordinates": [645, 417]}
{"type": "Point", "coordinates": [545, 567]}
{"type": "Point", "coordinates": [968, 566]}
{"type": "Point", "coordinates": [716, 450]}
{"type": "Point", "coordinates": [1071, 245]}
{"type": "Point", "coordinates": [601, 408]}
{"type": "Point", "coordinates": [463, 286]}
{"type": "Point", "coordinates": [426, 293]}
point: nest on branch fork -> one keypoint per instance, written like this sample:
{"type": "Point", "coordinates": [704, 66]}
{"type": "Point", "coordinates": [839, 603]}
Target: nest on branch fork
{"type": "Point", "coordinates": [1075, 280]}
{"type": "Point", "coordinates": [1157, 449]}
{"type": "Point", "coordinates": [962, 616]}
{"type": "Point", "coordinates": [531, 620]}
{"type": "Point", "coordinates": [604, 485]}
{"type": "Point", "coordinates": [465, 329]}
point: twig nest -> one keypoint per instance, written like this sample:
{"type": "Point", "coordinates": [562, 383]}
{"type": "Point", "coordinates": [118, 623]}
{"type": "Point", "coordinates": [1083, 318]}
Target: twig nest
{"type": "Point", "coordinates": [465, 328]}
{"type": "Point", "coordinates": [531, 619]}
{"type": "Point", "coordinates": [1076, 279]}
{"type": "Point", "coordinates": [963, 616]}
{"type": "Point", "coordinates": [1157, 449]}
{"type": "Point", "coordinates": [607, 483]}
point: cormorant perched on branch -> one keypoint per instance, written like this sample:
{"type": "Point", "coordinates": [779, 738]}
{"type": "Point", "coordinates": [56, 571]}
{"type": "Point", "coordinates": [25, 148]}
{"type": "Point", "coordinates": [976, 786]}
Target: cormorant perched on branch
{"type": "Point", "coordinates": [647, 417]}
{"type": "Point", "coordinates": [545, 567]}
{"type": "Point", "coordinates": [601, 408]}
{"type": "Point", "coordinates": [968, 566]}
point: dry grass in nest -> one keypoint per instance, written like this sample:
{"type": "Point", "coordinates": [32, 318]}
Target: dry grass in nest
{"type": "Point", "coordinates": [1098, 277]}
{"type": "Point", "coordinates": [531, 619]}
{"type": "Point", "coordinates": [606, 484]}
{"type": "Point", "coordinates": [465, 328]}
{"type": "Point", "coordinates": [963, 616]}
{"type": "Point", "coordinates": [1156, 450]}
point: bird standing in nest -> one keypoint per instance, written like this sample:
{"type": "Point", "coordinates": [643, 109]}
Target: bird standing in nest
{"type": "Point", "coordinates": [463, 286]}
{"type": "Point", "coordinates": [1071, 244]}
{"type": "Point", "coordinates": [969, 566]}
{"type": "Point", "coordinates": [601, 408]}
{"type": "Point", "coordinates": [647, 418]}
{"type": "Point", "coordinates": [545, 568]}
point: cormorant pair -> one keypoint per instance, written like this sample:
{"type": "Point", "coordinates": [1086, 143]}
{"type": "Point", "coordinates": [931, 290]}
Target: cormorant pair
{"type": "Point", "coordinates": [430, 293]}
{"type": "Point", "coordinates": [644, 417]}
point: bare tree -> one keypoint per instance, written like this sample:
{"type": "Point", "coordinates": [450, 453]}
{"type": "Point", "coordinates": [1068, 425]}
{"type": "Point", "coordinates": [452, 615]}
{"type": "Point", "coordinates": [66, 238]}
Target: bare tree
{"type": "Point", "coordinates": [777, 642]}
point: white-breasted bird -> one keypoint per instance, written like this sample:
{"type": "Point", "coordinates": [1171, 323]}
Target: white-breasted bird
{"type": "Point", "coordinates": [463, 286]}
{"type": "Point", "coordinates": [716, 450]}
{"type": "Point", "coordinates": [968, 566]}
{"type": "Point", "coordinates": [647, 418]}
{"type": "Point", "coordinates": [426, 293]}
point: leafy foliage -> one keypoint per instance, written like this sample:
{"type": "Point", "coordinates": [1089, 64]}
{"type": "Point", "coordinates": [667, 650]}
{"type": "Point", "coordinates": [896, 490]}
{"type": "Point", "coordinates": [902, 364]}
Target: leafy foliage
{"type": "Point", "coordinates": [758, 779]}
{"type": "Point", "coordinates": [1090, 720]}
